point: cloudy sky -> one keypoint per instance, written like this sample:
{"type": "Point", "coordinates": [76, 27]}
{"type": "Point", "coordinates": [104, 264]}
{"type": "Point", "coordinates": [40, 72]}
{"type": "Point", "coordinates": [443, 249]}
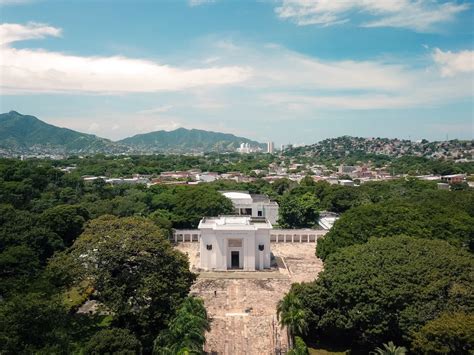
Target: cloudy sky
{"type": "Point", "coordinates": [283, 70]}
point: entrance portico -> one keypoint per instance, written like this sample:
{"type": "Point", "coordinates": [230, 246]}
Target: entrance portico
{"type": "Point", "coordinates": [234, 242]}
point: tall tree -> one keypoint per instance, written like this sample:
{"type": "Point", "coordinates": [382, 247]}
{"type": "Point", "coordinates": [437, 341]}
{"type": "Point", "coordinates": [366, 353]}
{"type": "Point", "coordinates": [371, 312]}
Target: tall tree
{"type": "Point", "coordinates": [136, 272]}
{"type": "Point", "coordinates": [185, 333]}
{"type": "Point", "coordinates": [292, 315]}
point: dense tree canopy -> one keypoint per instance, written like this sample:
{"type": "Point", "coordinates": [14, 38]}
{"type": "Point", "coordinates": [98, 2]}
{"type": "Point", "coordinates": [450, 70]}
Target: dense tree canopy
{"type": "Point", "coordinates": [386, 290]}
{"type": "Point", "coordinates": [299, 211]}
{"type": "Point", "coordinates": [113, 341]}
{"type": "Point", "coordinates": [135, 271]}
{"type": "Point", "coordinates": [32, 322]}
{"type": "Point", "coordinates": [187, 205]}
{"type": "Point", "coordinates": [450, 333]}
{"type": "Point", "coordinates": [388, 219]}
{"type": "Point", "coordinates": [53, 225]}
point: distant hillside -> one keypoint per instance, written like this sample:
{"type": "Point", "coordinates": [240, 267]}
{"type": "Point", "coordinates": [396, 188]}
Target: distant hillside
{"type": "Point", "coordinates": [23, 134]}
{"type": "Point", "coordinates": [343, 147]}
{"type": "Point", "coordinates": [182, 140]}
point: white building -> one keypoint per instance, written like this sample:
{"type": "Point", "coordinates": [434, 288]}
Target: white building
{"type": "Point", "coordinates": [234, 242]}
{"type": "Point", "coordinates": [245, 148]}
{"type": "Point", "coordinates": [345, 182]}
{"type": "Point", "coordinates": [270, 147]}
{"type": "Point", "coordinates": [253, 205]}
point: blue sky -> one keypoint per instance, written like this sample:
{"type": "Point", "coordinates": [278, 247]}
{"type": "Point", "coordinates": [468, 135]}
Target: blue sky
{"type": "Point", "coordinates": [289, 71]}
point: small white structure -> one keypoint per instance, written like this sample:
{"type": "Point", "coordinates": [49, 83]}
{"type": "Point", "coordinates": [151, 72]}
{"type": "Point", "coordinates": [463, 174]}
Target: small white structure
{"type": "Point", "coordinates": [345, 182]}
{"type": "Point", "coordinates": [234, 242]}
{"type": "Point", "coordinates": [253, 205]}
{"type": "Point", "coordinates": [327, 220]}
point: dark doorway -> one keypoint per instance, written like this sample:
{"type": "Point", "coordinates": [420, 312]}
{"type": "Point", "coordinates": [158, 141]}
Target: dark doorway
{"type": "Point", "coordinates": [234, 259]}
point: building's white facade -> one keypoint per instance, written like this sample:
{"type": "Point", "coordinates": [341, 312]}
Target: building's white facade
{"type": "Point", "coordinates": [234, 242]}
{"type": "Point", "coordinates": [246, 204]}
{"type": "Point", "coordinates": [270, 147]}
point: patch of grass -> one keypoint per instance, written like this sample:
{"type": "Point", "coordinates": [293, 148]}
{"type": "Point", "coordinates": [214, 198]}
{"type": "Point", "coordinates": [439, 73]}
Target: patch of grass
{"type": "Point", "coordinates": [77, 295]}
{"type": "Point", "coordinates": [106, 321]}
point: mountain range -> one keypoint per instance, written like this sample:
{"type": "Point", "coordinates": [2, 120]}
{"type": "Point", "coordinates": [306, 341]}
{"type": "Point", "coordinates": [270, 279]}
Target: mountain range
{"type": "Point", "coordinates": [25, 134]}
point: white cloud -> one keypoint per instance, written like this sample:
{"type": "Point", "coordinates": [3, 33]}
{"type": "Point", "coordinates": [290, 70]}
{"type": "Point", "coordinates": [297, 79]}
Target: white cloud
{"type": "Point", "coordinates": [259, 78]}
{"type": "Point", "coordinates": [275, 67]}
{"type": "Point", "coordinates": [452, 63]}
{"type": "Point", "coordinates": [159, 109]}
{"type": "Point", "coordinates": [12, 32]}
{"type": "Point", "coordinates": [286, 81]}
{"type": "Point", "coordinates": [28, 70]}
{"type": "Point", "coordinates": [417, 15]}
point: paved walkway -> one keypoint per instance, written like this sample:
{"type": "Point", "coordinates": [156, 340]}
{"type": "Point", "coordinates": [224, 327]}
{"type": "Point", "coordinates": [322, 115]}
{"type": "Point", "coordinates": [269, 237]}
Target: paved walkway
{"type": "Point", "coordinates": [242, 305]}
{"type": "Point", "coordinates": [248, 275]}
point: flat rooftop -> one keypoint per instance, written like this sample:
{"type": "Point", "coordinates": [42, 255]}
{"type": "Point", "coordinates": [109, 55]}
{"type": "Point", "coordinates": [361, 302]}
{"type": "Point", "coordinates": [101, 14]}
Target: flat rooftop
{"type": "Point", "coordinates": [237, 195]}
{"type": "Point", "coordinates": [246, 197]}
{"type": "Point", "coordinates": [235, 223]}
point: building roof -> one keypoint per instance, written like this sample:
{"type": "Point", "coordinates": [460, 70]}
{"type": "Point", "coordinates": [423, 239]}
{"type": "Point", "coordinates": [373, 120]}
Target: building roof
{"type": "Point", "coordinates": [244, 197]}
{"type": "Point", "coordinates": [235, 223]}
{"type": "Point", "coordinates": [237, 195]}
{"type": "Point", "coordinates": [327, 219]}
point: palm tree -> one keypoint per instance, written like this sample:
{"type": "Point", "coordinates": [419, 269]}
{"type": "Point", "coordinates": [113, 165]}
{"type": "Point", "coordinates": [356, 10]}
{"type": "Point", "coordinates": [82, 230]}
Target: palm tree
{"type": "Point", "coordinates": [186, 331]}
{"type": "Point", "coordinates": [390, 349]}
{"type": "Point", "coordinates": [292, 315]}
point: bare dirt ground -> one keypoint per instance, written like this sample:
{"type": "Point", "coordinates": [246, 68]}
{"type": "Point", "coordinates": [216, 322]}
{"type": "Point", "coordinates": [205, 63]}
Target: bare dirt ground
{"type": "Point", "coordinates": [242, 305]}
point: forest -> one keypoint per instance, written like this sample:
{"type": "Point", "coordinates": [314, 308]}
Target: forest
{"type": "Point", "coordinates": [398, 271]}
{"type": "Point", "coordinates": [398, 263]}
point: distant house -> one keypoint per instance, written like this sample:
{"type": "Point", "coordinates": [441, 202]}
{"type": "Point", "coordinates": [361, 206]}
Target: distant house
{"type": "Point", "coordinates": [453, 179]}
{"type": "Point", "coordinates": [253, 205]}
{"type": "Point", "coordinates": [346, 182]}
{"type": "Point", "coordinates": [346, 169]}
{"type": "Point", "coordinates": [207, 177]}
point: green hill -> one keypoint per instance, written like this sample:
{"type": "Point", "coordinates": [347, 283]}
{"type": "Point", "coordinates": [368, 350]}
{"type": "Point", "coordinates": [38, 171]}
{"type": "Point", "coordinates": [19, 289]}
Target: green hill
{"type": "Point", "coordinates": [23, 134]}
{"type": "Point", "coordinates": [182, 140]}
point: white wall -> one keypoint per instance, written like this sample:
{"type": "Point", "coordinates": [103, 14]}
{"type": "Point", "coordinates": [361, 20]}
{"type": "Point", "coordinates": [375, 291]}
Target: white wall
{"type": "Point", "coordinates": [270, 211]}
{"type": "Point", "coordinates": [219, 258]}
